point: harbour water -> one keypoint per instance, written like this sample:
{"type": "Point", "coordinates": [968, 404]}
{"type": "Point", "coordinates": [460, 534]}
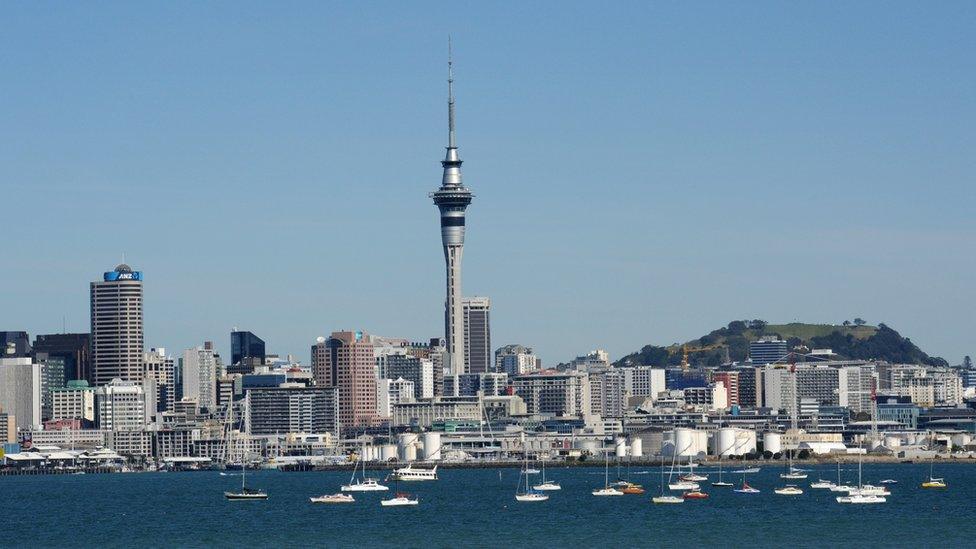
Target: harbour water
{"type": "Point", "coordinates": [476, 508]}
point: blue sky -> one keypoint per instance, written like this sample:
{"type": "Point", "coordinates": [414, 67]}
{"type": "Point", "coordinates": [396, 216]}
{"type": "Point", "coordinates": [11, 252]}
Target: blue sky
{"type": "Point", "coordinates": [644, 172]}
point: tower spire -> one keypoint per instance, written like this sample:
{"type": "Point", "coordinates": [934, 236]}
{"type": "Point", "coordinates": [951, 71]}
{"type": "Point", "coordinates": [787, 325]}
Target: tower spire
{"type": "Point", "coordinates": [451, 142]}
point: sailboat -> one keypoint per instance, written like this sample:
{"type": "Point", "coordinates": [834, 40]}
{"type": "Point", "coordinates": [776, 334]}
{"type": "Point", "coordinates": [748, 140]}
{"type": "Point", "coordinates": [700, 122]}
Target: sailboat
{"type": "Point", "coordinates": [399, 498]}
{"type": "Point", "coordinates": [607, 490]}
{"type": "Point", "coordinates": [840, 487]}
{"type": "Point", "coordinates": [663, 498]}
{"type": "Point", "coordinates": [546, 485]}
{"type": "Point", "coordinates": [245, 493]}
{"type": "Point", "coordinates": [721, 483]}
{"type": "Point", "coordinates": [933, 482]}
{"type": "Point", "coordinates": [822, 484]}
{"type": "Point", "coordinates": [860, 495]}
{"type": "Point", "coordinates": [529, 494]}
{"type": "Point", "coordinates": [365, 484]}
{"type": "Point", "coordinates": [746, 489]}
{"type": "Point", "coordinates": [793, 473]}
{"type": "Point", "coordinates": [692, 476]}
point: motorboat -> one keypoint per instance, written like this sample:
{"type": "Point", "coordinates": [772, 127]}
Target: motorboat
{"type": "Point", "coordinates": [842, 488]}
{"type": "Point", "coordinates": [859, 498]}
{"type": "Point", "coordinates": [789, 490]}
{"type": "Point", "coordinates": [400, 499]}
{"type": "Point", "coordinates": [822, 484]}
{"type": "Point", "coordinates": [333, 498]}
{"type": "Point", "coordinates": [632, 489]}
{"type": "Point", "coordinates": [746, 471]}
{"type": "Point", "coordinates": [695, 494]}
{"type": "Point", "coordinates": [410, 474]}
{"type": "Point", "coordinates": [531, 495]}
{"type": "Point", "coordinates": [667, 499]}
{"type": "Point", "coordinates": [888, 481]}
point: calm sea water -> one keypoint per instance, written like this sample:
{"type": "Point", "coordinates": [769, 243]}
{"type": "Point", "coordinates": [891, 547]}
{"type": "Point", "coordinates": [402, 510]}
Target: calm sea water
{"type": "Point", "coordinates": [476, 508]}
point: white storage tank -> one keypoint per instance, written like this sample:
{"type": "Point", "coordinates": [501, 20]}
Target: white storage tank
{"type": "Point", "coordinates": [432, 446]}
{"type": "Point", "coordinates": [773, 442]}
{"type": "Point", "coordinates": [961, 439]}
{"type": "Point", "coordinates": [620, 447]}
{"type": "Point", "coordinates": [892, 441]}
{"type": "Point", "coordinates": [724, 442]}
{"type": "Point", "coordinates": [407, 446]}
{"type": "Point", "coordinates": [388, 452]}
{"type": "Point", "coordinates": [690, 442]}
{"type": "Point", "coordinates": [636, 447]}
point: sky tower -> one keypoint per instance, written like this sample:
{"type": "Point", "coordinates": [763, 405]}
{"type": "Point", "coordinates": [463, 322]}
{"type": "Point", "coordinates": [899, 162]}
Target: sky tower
{"type": "Point", "coordinates": [452, 198]}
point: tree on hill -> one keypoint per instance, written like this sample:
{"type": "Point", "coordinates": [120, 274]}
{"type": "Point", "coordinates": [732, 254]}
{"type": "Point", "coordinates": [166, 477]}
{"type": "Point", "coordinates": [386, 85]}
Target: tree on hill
{"type": "Point", "coordinates": [967, 363]}
{"type": "Point", "coordinates": [859, 322]}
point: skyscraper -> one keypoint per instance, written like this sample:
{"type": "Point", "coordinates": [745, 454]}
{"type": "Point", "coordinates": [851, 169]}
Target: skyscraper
{"type": "Point", "coordinates": [116, 326]}
{"type": "Point", "coordinates": [477, 335]}
{"type": "Point", "coordinates": [246, 352]}
{"type": "Point", "coordinates": [73, 348]}
{"type": "Point", "coordinates": [452, 198]}
{"type": "Point", "coordinates": [347, 360]}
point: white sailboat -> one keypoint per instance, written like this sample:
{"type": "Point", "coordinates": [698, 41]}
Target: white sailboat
{"type": "Point", "coordinates": [364, 484]}
{"type": "Point", "coordinates": [666, 498]}
{"type": "Point", "coordinates": [245, 493]}
{"type": "Point", "coordinates": [607, 490]}
{"type": "Point", "coordinates": [546, 485]}
{"type": "Point", "coordinates": [793, 473]}
{"type": "Point", "coordinates": [721, 483]}
{"type": "Point", "coordinates": [528, 495]}
{"type": "Point", "coordinates": [861, 495]}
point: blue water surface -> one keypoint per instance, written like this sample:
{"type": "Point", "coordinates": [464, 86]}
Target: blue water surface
{"type": "Point", "coordinates": [476, 508]}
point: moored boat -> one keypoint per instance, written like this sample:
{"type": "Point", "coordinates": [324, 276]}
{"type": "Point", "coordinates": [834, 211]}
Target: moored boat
{"type": "Point", "coordinates": [333, 498]}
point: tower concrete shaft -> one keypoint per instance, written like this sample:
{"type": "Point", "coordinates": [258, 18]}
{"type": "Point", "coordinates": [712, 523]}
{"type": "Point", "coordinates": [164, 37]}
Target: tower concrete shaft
{"type": "Point", "coordinates": [452, 198]}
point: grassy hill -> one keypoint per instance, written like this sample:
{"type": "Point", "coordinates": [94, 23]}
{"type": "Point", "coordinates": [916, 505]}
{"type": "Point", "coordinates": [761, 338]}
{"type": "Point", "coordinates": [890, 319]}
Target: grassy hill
{"type": "Point", "coordinates": [731, 343]}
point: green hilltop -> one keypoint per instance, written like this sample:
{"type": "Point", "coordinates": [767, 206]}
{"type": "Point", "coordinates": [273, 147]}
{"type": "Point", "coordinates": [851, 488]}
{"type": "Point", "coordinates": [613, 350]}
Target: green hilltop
{"type": "Point", "coordinates": [851, 340]}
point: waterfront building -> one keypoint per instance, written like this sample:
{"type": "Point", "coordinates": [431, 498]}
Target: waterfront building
{"type": "Point", "coordinates": [516, 360]}
{"type": "Point", "coordinates": [424, 413]}
{"type": "Point", "coordinates": [898, 409]}
{"type": "Point", "coordinates": [201, 369]}
{"type": "Point", "coordinates": [731, 381]}
{"type": "Point", "coordinates": [75, 401]}
{"type": "Point", "coordinates": [452, 199]}
{"type": "Point", "coordinates": [767, 350]}
{"type": "Point", "coordinates": [15, 345]}
{"type": "Point", "coordinates": [549, 392]}
{"type": "Point", "coordinates": [20, 390]}
{"type": "Point", "coordinates": [274, 410]}
{"type": "Point", "coordinates": [247, 351]}
{"type": "Point", "coordinates": [160, 368]}
{"type": "Point", "coordinates": [390, 392]}
{"type": "Point", "coordinates": [73, 348]}
{"type": "Point", "coordinates": [477, 335]}
{"type": "Point", "coordinates": [121, 406]}
{"type": "Point", "coordinates": [116, 326]}
{"type": "Point", "coordinates": [346, 361]}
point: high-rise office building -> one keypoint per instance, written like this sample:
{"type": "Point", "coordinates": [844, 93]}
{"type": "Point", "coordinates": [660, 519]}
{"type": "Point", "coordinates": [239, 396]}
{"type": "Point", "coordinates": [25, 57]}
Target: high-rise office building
{"type": "Point", "coordinates": [477, 335]}
{"type": "Point", "coordinates": [76, 401]}
{"type": "Point", "coordinates": [160, 368]}
{"type": "Point", "coordinates": [14, 345]}
{"type": "Point", "coordinates": [246, 352]}
{"type": "Point", "coordinates": [201, 368]}
{"type": "Point", "coordinates": [121, 406]}
{"type": "Point", "coordinates": [75, 349]}
{"type": "Point", "coordinates": [20, 390]}
{"type": "Point", "coordinates": [279, 410]}
{"type": "Point", "coordinates": [452, 198]}
{"type": "Point", "coordinates": [346, 360]}
{"type": "Point", "coordinates": [767, 350]}
{"type": "Point", "coordinates": [730, 378]}
{"type": "Point", "coordinates": [418, 371]}
{"type": "Point", "coordinates": [116, 326]}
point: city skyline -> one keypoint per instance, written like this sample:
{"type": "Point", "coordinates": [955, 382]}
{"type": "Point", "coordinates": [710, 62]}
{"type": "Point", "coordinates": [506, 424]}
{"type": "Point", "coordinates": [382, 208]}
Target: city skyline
{"type": "Point", "coordinates": [887, 216]}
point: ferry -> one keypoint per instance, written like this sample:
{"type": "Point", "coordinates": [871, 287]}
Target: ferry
{"type": "Point", "coordinates": [409, 474]}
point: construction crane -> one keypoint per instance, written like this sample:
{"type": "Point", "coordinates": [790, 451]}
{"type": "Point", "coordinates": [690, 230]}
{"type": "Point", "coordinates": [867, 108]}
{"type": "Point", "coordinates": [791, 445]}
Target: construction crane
{"type": "Point", "coordinates": [685, 349]}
